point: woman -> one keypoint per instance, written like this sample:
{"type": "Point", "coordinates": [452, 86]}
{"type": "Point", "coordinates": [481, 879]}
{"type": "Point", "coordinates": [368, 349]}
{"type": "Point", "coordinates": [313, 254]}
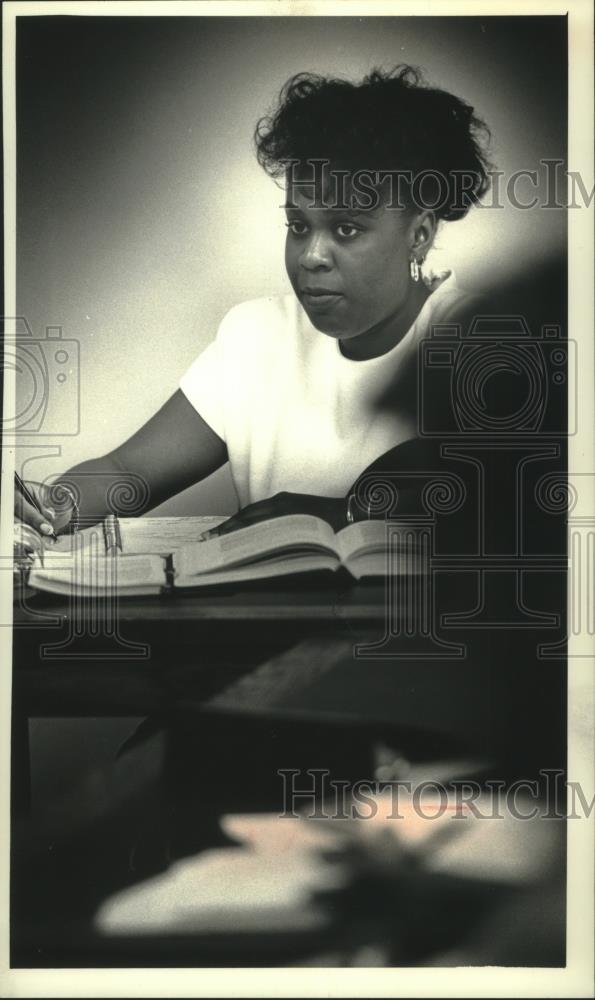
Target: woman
{"type": "Point", "coordinates": [302, 393]}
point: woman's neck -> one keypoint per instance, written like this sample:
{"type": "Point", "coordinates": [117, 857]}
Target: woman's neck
{"type": "Point", "coordinates": [381, 339]}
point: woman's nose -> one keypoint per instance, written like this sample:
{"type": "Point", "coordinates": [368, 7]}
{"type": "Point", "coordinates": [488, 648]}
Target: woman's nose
{"type": "Point", "coordinates": [316, 253]}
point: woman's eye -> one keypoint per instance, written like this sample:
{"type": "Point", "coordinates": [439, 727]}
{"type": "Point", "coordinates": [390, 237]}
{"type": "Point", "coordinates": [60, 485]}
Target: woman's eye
{"type": "Point", "coordinates": [347, 231]}
{"type": "Point", "coordinates": [296, 227]}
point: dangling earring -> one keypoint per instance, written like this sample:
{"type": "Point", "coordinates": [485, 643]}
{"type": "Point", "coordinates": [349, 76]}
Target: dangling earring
{"type": "Point", "coordinates": [415, 268]}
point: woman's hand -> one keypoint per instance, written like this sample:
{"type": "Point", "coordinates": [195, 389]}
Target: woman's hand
{"type": "Point", "coordinates": [57, 504]}
{"type": "Point", "coordinates": [43, 522]}
{"type": "Point", "coordinates": [331, 509]}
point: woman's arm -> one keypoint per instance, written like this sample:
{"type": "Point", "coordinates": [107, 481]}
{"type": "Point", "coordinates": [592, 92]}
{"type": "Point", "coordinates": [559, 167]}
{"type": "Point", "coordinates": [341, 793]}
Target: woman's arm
{"type": "Point", "coordinates": [173, 450]}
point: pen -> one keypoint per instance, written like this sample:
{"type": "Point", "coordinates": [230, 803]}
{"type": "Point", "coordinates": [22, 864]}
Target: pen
{"type": "Point", "coordinates": [26, 493]}
{"type": "Point", "coordinates": [111, 530]}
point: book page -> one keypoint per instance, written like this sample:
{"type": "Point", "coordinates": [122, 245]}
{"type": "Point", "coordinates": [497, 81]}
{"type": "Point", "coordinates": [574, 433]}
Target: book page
{"type": "Point", "coordinates": [359, 536]}
{"type": "Point", "coordinates": [163, 535]}
{"type": "Point", "coordinates": [98, 573]}
{"type": "Point", "coordinates": [144, 535]}
{"type": "Point", "coordinates": [364, 548]}
{"type": "Point", "coordinates": [280, 535]}
{"type": "Point", "coordinates": [85, 538]}
{"type": "Point", "coordinates": [374, 535]}
{"type": "Point", "coordinates": [264, 569]}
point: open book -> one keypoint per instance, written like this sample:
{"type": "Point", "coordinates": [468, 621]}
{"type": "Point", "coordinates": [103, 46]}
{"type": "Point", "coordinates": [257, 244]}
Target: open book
{"type": "Point", "coordinates": [150, 555]}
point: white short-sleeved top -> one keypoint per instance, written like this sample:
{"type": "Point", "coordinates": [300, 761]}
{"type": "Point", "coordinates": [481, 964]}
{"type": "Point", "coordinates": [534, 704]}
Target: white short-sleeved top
{"type": "Point", "coordinates": [294, 412]}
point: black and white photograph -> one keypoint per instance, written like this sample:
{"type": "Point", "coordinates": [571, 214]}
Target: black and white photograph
{"type": "Point", "coordinates": [298, 531]}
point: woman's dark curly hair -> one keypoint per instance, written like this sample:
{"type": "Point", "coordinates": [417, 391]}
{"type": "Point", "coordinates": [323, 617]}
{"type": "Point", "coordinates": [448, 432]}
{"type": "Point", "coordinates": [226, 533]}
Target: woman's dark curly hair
{"type": "Point", "coordinates": [390, 121]}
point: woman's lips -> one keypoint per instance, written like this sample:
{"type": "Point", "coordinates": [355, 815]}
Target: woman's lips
{"type": "Point", "coordinates": [320, 298]}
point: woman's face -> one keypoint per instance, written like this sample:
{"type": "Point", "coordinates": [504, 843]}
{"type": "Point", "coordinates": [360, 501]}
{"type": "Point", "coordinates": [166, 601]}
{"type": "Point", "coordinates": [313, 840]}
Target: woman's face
{"type": "Point", "coordinates": [349, 270]}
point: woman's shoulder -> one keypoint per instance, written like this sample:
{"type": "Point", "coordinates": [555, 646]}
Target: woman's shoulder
{"type": "Point", "coordinates": [261, 317]}
{"type": "Point", "coordinates": [259, 330]}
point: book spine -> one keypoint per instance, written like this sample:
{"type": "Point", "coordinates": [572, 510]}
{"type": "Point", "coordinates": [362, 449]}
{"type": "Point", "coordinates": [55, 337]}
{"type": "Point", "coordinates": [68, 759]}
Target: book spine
{"type": "Point", "coordinates": [169, 575]}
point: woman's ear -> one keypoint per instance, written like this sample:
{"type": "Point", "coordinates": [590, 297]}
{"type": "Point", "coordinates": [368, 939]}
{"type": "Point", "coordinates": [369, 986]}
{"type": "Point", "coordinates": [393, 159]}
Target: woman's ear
{"type": "Point", "coordinates": [421, 233]}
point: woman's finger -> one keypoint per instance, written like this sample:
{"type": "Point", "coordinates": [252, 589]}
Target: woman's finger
{"type": "Point", "coordinates": [251, 514]}
{"type": "Point", "coordinates": [39, 495]}
{"type": "Point", "coordinates": [221, 529]}
{"type": "Point", "coordinates": [232, 524]}
{"type": "Point", "coordinates": [25, 512]}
